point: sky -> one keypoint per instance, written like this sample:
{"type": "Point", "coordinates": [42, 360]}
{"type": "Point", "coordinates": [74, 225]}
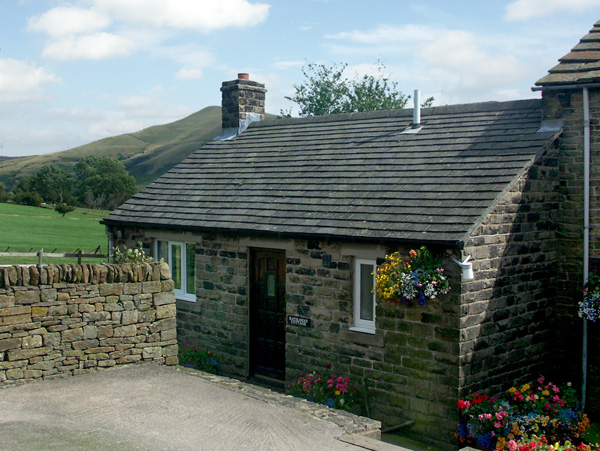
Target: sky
{"type": "Point", "coordinates": [75, 71]}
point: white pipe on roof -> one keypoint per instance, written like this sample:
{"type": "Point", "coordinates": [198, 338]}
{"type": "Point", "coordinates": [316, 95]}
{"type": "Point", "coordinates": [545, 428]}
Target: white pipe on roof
{"type": "Point", "coordinates": [417, 109]}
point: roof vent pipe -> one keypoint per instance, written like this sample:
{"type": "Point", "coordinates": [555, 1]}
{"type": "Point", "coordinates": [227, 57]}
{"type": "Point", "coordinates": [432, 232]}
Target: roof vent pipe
{"type": "Point", "coordinates": [417, 109]}
{"type": "Point", "coordinates": [243, 76]}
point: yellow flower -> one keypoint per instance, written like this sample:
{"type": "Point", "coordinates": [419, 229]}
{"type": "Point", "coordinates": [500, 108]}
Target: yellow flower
{"type": "Point", "coordinates": [338, 393]}
{"type": "Point", "coordinates": [512, 390]}
{"type": "Point", "coordinates": [525, 387]}
{"type": "Point", "coordinates": [546, 393]}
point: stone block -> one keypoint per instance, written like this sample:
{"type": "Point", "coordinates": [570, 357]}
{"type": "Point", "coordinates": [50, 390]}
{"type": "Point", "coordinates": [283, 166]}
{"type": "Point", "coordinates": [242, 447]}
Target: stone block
{"type": "Point", "coordinates": [129, 359]}
{"type": "Point", "coordinates": [10, 343]}
{"type": "Point", "coordinates": [14, 374]}
{"type": "Point", "coordinates": [169, 334]}
{"type": "Point", "coordinates": [24, 354]}
{"type": "Point", "coordinates": [37, 312]}
{"type": "Point", "coordinates": [153, 286]}
{"type": "Point", "coordinates": [110, 289]}
{"type": "Point", "coordinates": [6, 301]}
{"type": "Point", "coordinates": [105, 332]}
{"type": "Point", "coordinates": [125, 331]}
{"type": "Point", "coordinates": [129, 317]}
{"type": "Point", "coordinates": [90, 332]}
{"type": "Point", "coordinates": [107, 363]}
{"type": "Point", "coordinates": [48, 295]}
{"type": "Point", "coordinates": [71, 335]}
{"type": "Point", "coordinates": [15, 319]}
{"type": "Point", "coordinates": [32, 374]}
{"type": "Point", "coordinates": [27, 297]}
{"type": "Point", "coordinates": [84, 344]}
{"type": "Point", "coordinates": [171, 360]}
{"type": "Point", "coordinates": [152, 352]}
{"type": "Point", "coordinates": [12, 311]}
{"type": "Point", "coordinates": [52, 339]}
{"type": "Point", "coordinates": [33, 341]}
{"type": "Point", "coordinates": [164, 298]}
{"type": "Point", "coordinates": [57, 310]}
{"type": "Point", "coordinates": [132, 288]}
{"type": "Point", "coordinates": [166, 311]}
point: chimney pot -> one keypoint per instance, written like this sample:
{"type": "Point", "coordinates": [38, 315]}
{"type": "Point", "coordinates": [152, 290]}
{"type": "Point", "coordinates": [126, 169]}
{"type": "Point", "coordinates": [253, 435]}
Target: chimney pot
{"type": "Point", "coordinates": [243, 76]}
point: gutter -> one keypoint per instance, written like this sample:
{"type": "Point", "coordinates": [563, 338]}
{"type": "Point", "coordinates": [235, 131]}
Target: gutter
{"type": "Point", "coordinates": [565, 87]}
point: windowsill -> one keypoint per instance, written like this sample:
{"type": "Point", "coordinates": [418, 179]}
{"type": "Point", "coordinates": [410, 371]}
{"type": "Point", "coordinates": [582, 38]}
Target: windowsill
{"type": "Point", "coordinates": [189, 298]}
{"type": "Point", "coordinates": [363, 329]}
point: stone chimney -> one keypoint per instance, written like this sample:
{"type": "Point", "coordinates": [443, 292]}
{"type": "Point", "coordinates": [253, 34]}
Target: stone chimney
{"type": "Point", "coordinates": [243, 103]}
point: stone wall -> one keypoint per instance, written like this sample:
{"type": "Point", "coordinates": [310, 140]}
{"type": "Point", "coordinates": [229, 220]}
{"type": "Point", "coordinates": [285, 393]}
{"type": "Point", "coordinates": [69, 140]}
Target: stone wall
{"type": "Point", "coordinates": [568, 105]}
{"type": "Point", "coordinates": [72, 319]}
{"type": "Point", "coordinates": [507, 318]}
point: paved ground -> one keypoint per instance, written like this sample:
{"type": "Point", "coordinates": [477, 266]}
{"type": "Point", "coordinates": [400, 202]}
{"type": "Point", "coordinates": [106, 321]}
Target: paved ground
{"type": "Point", "coordinates": [150, 407]}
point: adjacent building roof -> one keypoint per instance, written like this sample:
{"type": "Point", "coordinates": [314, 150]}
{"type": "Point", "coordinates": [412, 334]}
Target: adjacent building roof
{"type": "Point", "coordinates": [350, 176]}
{"type": "Point", "coordinates": [580, 66]}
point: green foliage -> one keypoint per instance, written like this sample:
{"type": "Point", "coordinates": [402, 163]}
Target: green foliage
{"type": "Point", "coordinates": [53, 184]}
{"type": "Point", "coordinates": [63, 209]}
{"type": "Point", "coordinates": [328, 91]}
{"type": "Point", "coordinates": [30, 198]}
{"type": "Point", "coordinates": [4, 195]}
{"type": "Point", "coordinates": [192, 356]}
{"type": "Point", "coordinates": [128, 255]}
{"type": "Point", "coordinates": [103, 182]}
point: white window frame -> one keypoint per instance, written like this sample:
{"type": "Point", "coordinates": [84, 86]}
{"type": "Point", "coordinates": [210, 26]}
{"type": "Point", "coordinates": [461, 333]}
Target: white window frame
{"type": "Point", "coordinates": [363, 325]}
{"type": "Point", "coordinates": [180, 293]}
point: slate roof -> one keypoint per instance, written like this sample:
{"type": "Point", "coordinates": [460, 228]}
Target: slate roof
{"type": "Point", "coordinates": [580, 66]}
{"type": "Point", "coordinates": [350, 176]}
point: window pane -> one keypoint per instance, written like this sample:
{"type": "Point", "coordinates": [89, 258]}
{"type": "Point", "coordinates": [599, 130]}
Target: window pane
{"type": "Point", "coordinates": [175, 264]}
{"type": "Point", "coordinates": [366, 292]}
{"type": "Point", "coordinates": [191, 268]}
{"type": "Point", "coordinates": [162, 251]}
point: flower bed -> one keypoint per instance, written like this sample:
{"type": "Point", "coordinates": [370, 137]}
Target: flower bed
{"type": "Point", "coordinates": [191, 356]}
{"type": "Point", "coordinates": [523, 419]}
{"type": "Point", "coordinates": [327, 388]}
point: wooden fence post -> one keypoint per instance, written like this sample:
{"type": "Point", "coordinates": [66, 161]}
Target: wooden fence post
{"type": "Point", "coordinates": [40, 254]}
{"type": "Point", "coordinates": [79, 252]}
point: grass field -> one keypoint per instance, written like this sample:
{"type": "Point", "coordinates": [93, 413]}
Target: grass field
{"type": "Point", "coordinates": [29, 229]}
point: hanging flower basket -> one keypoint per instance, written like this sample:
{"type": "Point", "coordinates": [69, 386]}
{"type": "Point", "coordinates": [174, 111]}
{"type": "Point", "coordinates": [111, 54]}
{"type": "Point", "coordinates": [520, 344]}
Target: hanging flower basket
{"type": "Point", "coordinates": [418, 278]}
{"type": "Point", "coordinates": [589, 306]}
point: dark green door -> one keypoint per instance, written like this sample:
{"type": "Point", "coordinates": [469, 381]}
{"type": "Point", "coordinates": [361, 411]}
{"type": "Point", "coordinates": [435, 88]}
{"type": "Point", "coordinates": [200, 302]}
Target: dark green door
{"type": "Point", "coordinates": [267, 314]}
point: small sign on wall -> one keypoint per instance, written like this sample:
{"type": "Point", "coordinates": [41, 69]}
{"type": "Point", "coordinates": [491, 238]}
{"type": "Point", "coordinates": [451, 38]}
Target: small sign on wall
{"type": "Point", "coordinates": [298, 321]}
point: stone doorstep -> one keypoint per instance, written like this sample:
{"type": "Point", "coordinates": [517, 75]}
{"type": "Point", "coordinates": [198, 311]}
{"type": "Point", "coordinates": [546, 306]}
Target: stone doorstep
{"type": "Point", "coordinates": [352, 425]}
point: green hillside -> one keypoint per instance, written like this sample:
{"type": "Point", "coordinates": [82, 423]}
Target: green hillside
{"type": "Point", "coordinates": [146, 154]}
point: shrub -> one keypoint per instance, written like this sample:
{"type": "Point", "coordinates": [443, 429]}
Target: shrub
{"type": "Point", "coordinates": [128, 255]}
{"type": "Point", "coordinates": [192, 356]}
{"type": "Point", "coordinates": [328, 389]}
{"type": "Point", "coordinates": [28, 198]}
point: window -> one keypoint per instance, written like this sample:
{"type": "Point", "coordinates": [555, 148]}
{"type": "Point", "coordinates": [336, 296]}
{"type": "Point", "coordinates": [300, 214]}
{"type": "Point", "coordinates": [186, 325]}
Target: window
{"type": "Point", "coordinates": [364, 295]}
{"type": "Point", "coordinates": [181, 258]}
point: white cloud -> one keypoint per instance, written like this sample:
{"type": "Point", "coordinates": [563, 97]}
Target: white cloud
{"type": "Point", "coordinates": [189, 74]}
{"type": "Point", "coordinates": [455, 65]}
{"type": "Point", "coordinates": [64, 21]}
{"type": "Point", "coordinates": [21, 82]}
{"type": "Point", "coordinates": [200, 15]}
{"type": "Point", "coordinates": [529, 9]}
{"type": "Point", "coordinates": [93, 46]}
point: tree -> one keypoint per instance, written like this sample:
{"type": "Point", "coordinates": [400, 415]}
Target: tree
{"type": "Point", "coordinates": [25, 195]}
{"type": "Point", "coordinates": [4, 195]}
{"type": "Point", "coordinates": [328, 91]}
{"type": "Point", "coordinates": [63, 208]}
{"type": "Point", "coordinates": [53, 184]}
{"type": "Point", "coordinates": [103, 182]}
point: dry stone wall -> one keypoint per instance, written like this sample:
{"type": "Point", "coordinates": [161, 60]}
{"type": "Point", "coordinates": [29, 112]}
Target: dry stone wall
{"type": "Point", "coordinates": [72, 319]}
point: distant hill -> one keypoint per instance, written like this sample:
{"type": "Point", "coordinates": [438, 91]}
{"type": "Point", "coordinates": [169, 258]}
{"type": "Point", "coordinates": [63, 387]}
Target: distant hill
{"type": "Point", "coordinates": [146, 154]}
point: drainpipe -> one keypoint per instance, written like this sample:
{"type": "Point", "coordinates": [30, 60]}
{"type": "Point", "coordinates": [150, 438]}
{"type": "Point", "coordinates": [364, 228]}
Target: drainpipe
{"type": "Point", "coordinates": [586, 230]}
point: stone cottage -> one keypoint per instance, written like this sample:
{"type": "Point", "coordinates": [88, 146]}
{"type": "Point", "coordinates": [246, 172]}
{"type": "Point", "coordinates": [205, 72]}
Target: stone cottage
{"type": "Point", "coordinates": [273, 235]}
